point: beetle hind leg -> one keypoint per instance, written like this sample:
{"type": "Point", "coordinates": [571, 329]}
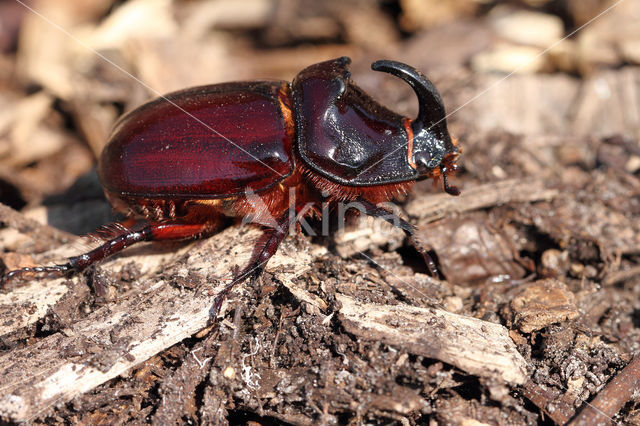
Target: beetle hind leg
{"type": "Point", "coordinates": [35, 271]}
{"type": "Point", "coordinates": [155, 232]}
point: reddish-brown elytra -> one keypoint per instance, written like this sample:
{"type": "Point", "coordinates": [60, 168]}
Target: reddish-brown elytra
{"type": "Point", "coordinates": [185, 161]}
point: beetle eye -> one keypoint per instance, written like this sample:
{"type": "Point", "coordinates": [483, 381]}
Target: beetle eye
{"type": "Point", "coordinates": [425, 162]}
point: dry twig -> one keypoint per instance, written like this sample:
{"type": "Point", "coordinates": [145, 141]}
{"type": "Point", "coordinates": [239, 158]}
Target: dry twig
{"type": "Point", "coordinates": [429, 209]}
{"type": "Point", "coordinates": [611, 399]}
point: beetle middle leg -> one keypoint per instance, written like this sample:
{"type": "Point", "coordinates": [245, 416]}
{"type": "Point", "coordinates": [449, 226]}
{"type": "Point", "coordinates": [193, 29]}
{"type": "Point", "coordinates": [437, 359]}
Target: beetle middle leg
{"type": "Point", "coordinates": [264, 249]}
{"type": "Point", "coordinates": [155, 232]}
{"type": "Point", "coordinates": [373, 210]}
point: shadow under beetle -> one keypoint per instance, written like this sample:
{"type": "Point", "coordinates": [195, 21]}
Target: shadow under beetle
{"type": "Point", "coordinates": [318, 139]}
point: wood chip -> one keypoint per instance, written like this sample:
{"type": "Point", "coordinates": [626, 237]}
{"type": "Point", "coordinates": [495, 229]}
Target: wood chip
{"type": "Point", "coordinates": [366, 233]}
{"type": "Point", "coordinates": [509, 58]}
{"type": "Point", "coordinates": [526, 27]}
{"type": "Point", "coordinates": [418, 14]}
{"type": "Point", "coordinates": [540, 304]}
{"type": "Point", "coordinates": [25, 305]}
{"type": "Point", "coordinates": [475, 346]}
{"type": "Point", "coordinates": [523, 104]}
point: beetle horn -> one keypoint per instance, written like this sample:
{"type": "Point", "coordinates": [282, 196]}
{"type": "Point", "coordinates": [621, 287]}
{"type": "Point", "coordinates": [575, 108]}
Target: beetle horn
{"type": "Point", "coordinates": [431, 110]}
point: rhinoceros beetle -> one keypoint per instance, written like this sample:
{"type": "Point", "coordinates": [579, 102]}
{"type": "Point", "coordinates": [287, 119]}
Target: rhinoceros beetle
{"type": "Point", "coordinates": [183, 162]}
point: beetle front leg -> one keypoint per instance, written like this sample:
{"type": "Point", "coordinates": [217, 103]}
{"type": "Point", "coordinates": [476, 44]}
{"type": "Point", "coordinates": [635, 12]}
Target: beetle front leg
{"type": "Point", "coordinates": [264, 249]}
{"type": "Point", "coordinates": [157, 232]}
{"type": "Point", "coordinates": [373, 210]}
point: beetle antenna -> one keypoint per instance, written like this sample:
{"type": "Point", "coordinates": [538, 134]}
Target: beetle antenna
{"type": "Point", "coordinates": [449, 189]}
{"type": "Point", "coordinates": [431, 108]}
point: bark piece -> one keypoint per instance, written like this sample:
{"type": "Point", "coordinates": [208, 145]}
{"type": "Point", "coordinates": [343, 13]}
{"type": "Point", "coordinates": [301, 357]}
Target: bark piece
{"type": "Point", "coordinates": [470, 249]}
{"type": "Point", "coordinates": [475, 346]}
{"type": "Point", "coordinates": [541, 304]}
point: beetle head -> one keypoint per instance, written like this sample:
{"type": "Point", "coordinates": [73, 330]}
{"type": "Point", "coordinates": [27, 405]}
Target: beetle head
{"type": "Point", "coordinates": [431, 152]}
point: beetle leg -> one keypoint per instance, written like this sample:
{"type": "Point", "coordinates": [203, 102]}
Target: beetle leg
{"type": "Point", "coordinates": [157, 232]}
{"type": "Point", "coordinates": [264, 249]}
{"type": "Point", "coordinates": [409, 230]}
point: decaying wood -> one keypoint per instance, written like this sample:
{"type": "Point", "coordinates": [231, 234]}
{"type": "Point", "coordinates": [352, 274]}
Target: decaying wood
{"type": "Point", "coordinates": [28, 303]}
{"type": "Point", "coordinates": [478, 347]}
{"type": "Point", "coordinates": [122, 334]}
{"type": "Point", "coordinates": [429, 209]}
{"type": "Point", "coordinates": [25, 305]}
{"type": "Point", "coordinates": [366, 233]}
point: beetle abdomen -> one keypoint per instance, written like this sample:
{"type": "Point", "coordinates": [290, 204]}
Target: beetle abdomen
{"type": "Point", "coordinates": [206, 142]}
